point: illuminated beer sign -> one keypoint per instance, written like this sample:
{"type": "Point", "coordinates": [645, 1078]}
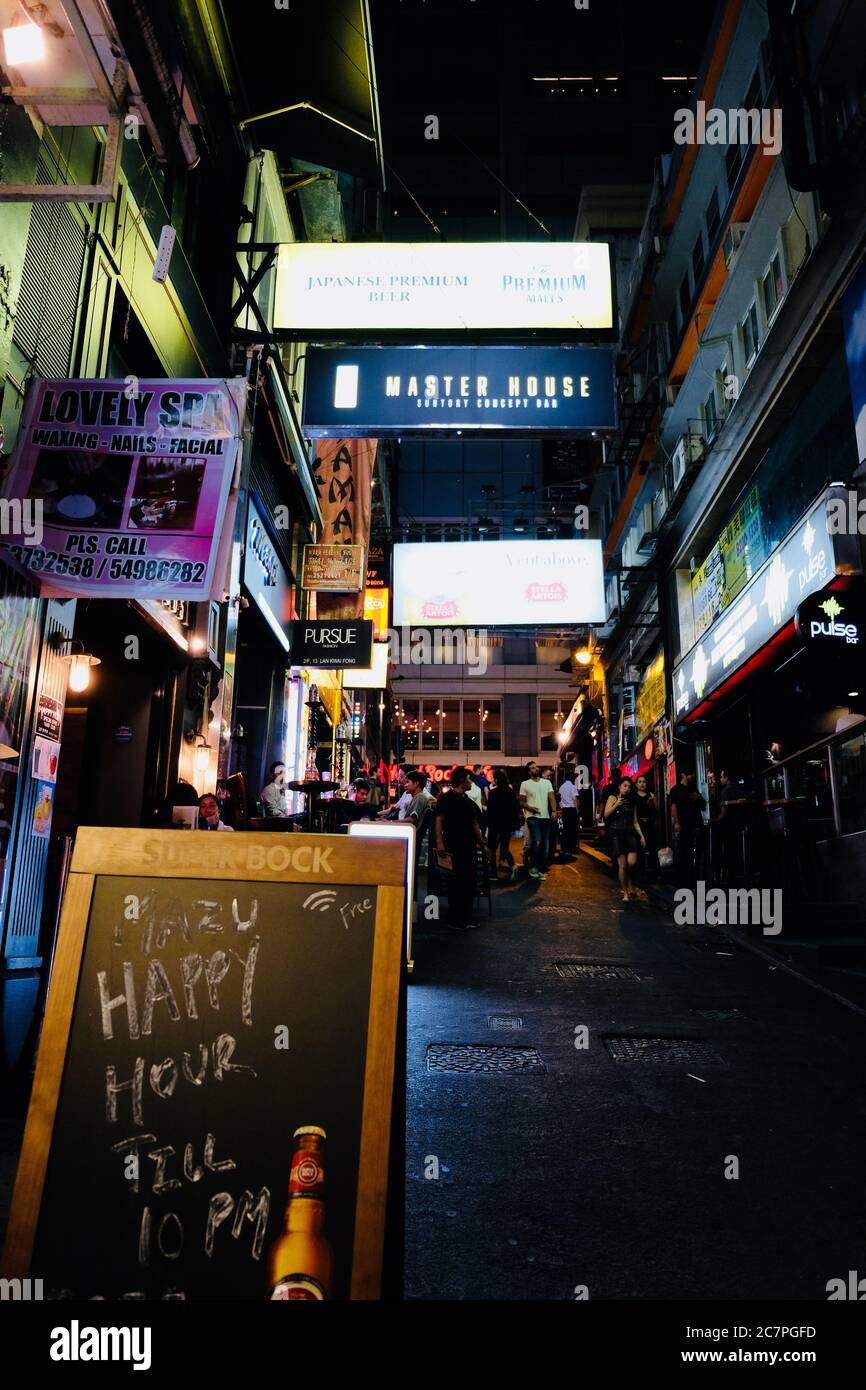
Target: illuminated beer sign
{"type": "Point", "coordinates": [326, 288]}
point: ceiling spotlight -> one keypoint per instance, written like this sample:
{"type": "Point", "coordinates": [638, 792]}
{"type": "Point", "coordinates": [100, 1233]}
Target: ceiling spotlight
{"type": "Point", "coordinates": [583, 655]}
{"type": "Point", "coordinates": [23, 43]}
{"type": "Point", "coordinates": [853, 694]}
{"type": "Point", "coordinates": [520, 525]}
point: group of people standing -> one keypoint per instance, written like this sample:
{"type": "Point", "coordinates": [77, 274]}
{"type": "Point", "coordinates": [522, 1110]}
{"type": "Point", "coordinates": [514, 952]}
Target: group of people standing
{"type": "Point", "coordinates": [473, 819]}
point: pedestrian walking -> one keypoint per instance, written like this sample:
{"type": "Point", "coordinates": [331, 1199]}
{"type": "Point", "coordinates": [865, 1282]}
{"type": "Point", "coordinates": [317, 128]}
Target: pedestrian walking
{"type": "Point", "coordinates": [646, 808]}
{"type": "Point", "coordinates": [458, 838]}
{"type": "Point", "coordinates": [568, 809]}
{"type": "Point", "coordinates": [538, 802]}
{"type": "Point", "coordinates": [503, 818]}
{"type": "Point", "coordinates": [626, 837]}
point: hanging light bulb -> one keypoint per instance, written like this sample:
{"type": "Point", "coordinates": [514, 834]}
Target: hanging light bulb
{"type": "Point", "coordinates": [202, 755]}
{"type": "Point", "coordinates": [80, 663]}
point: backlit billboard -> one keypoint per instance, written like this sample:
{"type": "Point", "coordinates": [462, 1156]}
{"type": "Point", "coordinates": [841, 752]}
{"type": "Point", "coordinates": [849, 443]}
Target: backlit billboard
{"type": "Point", "coordinates": [498, 583]}
{"type": "Point", "coordinates": [464, 287]}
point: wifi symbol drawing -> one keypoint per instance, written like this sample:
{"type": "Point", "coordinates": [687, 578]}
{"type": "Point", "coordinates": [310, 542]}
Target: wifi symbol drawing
{"type": "Point", "coordinates": [321, 901]}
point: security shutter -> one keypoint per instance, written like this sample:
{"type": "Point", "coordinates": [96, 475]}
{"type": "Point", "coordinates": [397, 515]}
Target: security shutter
{"type": "Point", "coordinates": [50, 284]}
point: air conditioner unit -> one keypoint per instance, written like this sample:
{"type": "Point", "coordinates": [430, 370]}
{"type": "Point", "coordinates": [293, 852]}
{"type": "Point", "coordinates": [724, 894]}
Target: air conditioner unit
{"type": "Point", "coordinates": [734, 237]}
{"type": "Point", "coordinates": [688, 451]}
{"type": "Point", "coordinates": [659, 506]}
{"type": "Point", "coordinates": [646, 530]}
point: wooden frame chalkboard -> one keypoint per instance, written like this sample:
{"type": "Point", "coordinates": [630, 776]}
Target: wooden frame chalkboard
{"type": "Point", "coordinates": [348, 950]}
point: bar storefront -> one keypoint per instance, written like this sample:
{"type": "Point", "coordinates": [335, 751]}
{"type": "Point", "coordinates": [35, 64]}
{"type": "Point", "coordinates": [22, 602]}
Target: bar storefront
{"type": "Point", "coordinates": [772, 693]}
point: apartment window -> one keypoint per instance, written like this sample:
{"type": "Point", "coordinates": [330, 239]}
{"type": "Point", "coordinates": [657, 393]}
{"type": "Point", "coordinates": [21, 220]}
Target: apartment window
{"type": "Point", "coordinates": [685, 297]}
{"type": "Point", "coordinates": [773, 287]}
{"type": "Point", "coordinates": [733, 163]}
{"type": "Point", "coordinates": [491, 726]}
{"type": "Point", "coordinates": [750, 334]}
{"type": "Point", "coordinates": [712, 216]}
{"type": "Point", "coordinates": [673, 329]}
{"type": "Point", "coordinates": [698, 257]}
{"type": "Point", "coordinates": [711, 416]}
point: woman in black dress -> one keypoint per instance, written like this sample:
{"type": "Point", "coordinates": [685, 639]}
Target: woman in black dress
{"type": "Point", "coordinates": [625, 834]}
{"type": "Point", "coordinates": [647, 808]}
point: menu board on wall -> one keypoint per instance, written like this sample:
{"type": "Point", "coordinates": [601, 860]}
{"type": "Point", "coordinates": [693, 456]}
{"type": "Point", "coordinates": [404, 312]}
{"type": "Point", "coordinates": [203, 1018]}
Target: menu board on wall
{"type": "Point", "coordinates": [742, 546]}
{"type": "Point", "coordinates": [707, 586]}
{"type": "Point", "coordinates": [210, 996]}
{"type": "Point", "coordinates": [651, 696]}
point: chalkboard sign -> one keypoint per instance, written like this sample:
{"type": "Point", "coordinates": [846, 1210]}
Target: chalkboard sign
{"type": "Point", "coordinates": [211, 995]}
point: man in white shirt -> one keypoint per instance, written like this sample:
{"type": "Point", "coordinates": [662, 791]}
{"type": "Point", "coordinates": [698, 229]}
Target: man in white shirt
{"type": "Point", "coordinates": [538, 801]}
{"type": "Point", "coordinates": [568, 805]}
{"type": "Point", "coordinates": [473, 791]}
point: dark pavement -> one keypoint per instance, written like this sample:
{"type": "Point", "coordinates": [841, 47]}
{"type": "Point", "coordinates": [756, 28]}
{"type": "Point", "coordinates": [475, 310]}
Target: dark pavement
{"type": "Point", "coordinates": [611, 1174]}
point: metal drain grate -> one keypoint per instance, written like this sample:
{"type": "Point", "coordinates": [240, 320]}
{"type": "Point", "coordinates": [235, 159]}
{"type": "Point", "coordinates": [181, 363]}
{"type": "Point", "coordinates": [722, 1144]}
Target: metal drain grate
{"type": "Point", "coordinates": [538, 908]}
{"type": "Point", "coordinates": [594, 970]}
{"type": "Point", "coordinates": [720, 1014]}
{"type": "Point", "coordinates": [724, 948]}
{"type": "Point", "coordinates": [503, 1021]}
{"type": "Point", "coordinates": [482, 1057]}
{"type": "Point", "coordinates": [667, 1051]}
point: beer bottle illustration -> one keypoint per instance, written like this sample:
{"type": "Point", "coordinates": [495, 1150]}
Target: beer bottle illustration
{"type": "Point", "coordinates": [301, 1260]}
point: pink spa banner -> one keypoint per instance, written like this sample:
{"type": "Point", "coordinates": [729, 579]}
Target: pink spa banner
{"type": "Point", "coordinates": [124, 486]}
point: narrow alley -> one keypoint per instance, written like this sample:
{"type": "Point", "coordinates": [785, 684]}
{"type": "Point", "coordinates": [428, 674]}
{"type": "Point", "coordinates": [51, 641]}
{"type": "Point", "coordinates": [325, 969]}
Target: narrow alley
{"type": "Point", "coordinates": [565, 1173]}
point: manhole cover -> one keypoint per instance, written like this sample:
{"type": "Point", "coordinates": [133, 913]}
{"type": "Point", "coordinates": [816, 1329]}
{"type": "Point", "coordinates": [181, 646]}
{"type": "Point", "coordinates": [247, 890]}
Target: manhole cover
{"type": "Point", "coordinates": [673, 1051]}
{"type": "Point", "coordinates": [537, 908]}
{"type": "Point", "coordinates": [504, 1021]}
{"type": "Point", "coordinates": [719, 1013]}
{"type": "Point", "coordinates": [594, 970]}
{"type": "Point", "coordinates": [466, 1057]}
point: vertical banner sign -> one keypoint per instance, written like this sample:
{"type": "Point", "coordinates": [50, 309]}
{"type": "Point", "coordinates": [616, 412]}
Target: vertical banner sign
{"type": "Point", "coordinates": [343, 473]}
{"type": "Point", "coordinates": [123, 489]}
